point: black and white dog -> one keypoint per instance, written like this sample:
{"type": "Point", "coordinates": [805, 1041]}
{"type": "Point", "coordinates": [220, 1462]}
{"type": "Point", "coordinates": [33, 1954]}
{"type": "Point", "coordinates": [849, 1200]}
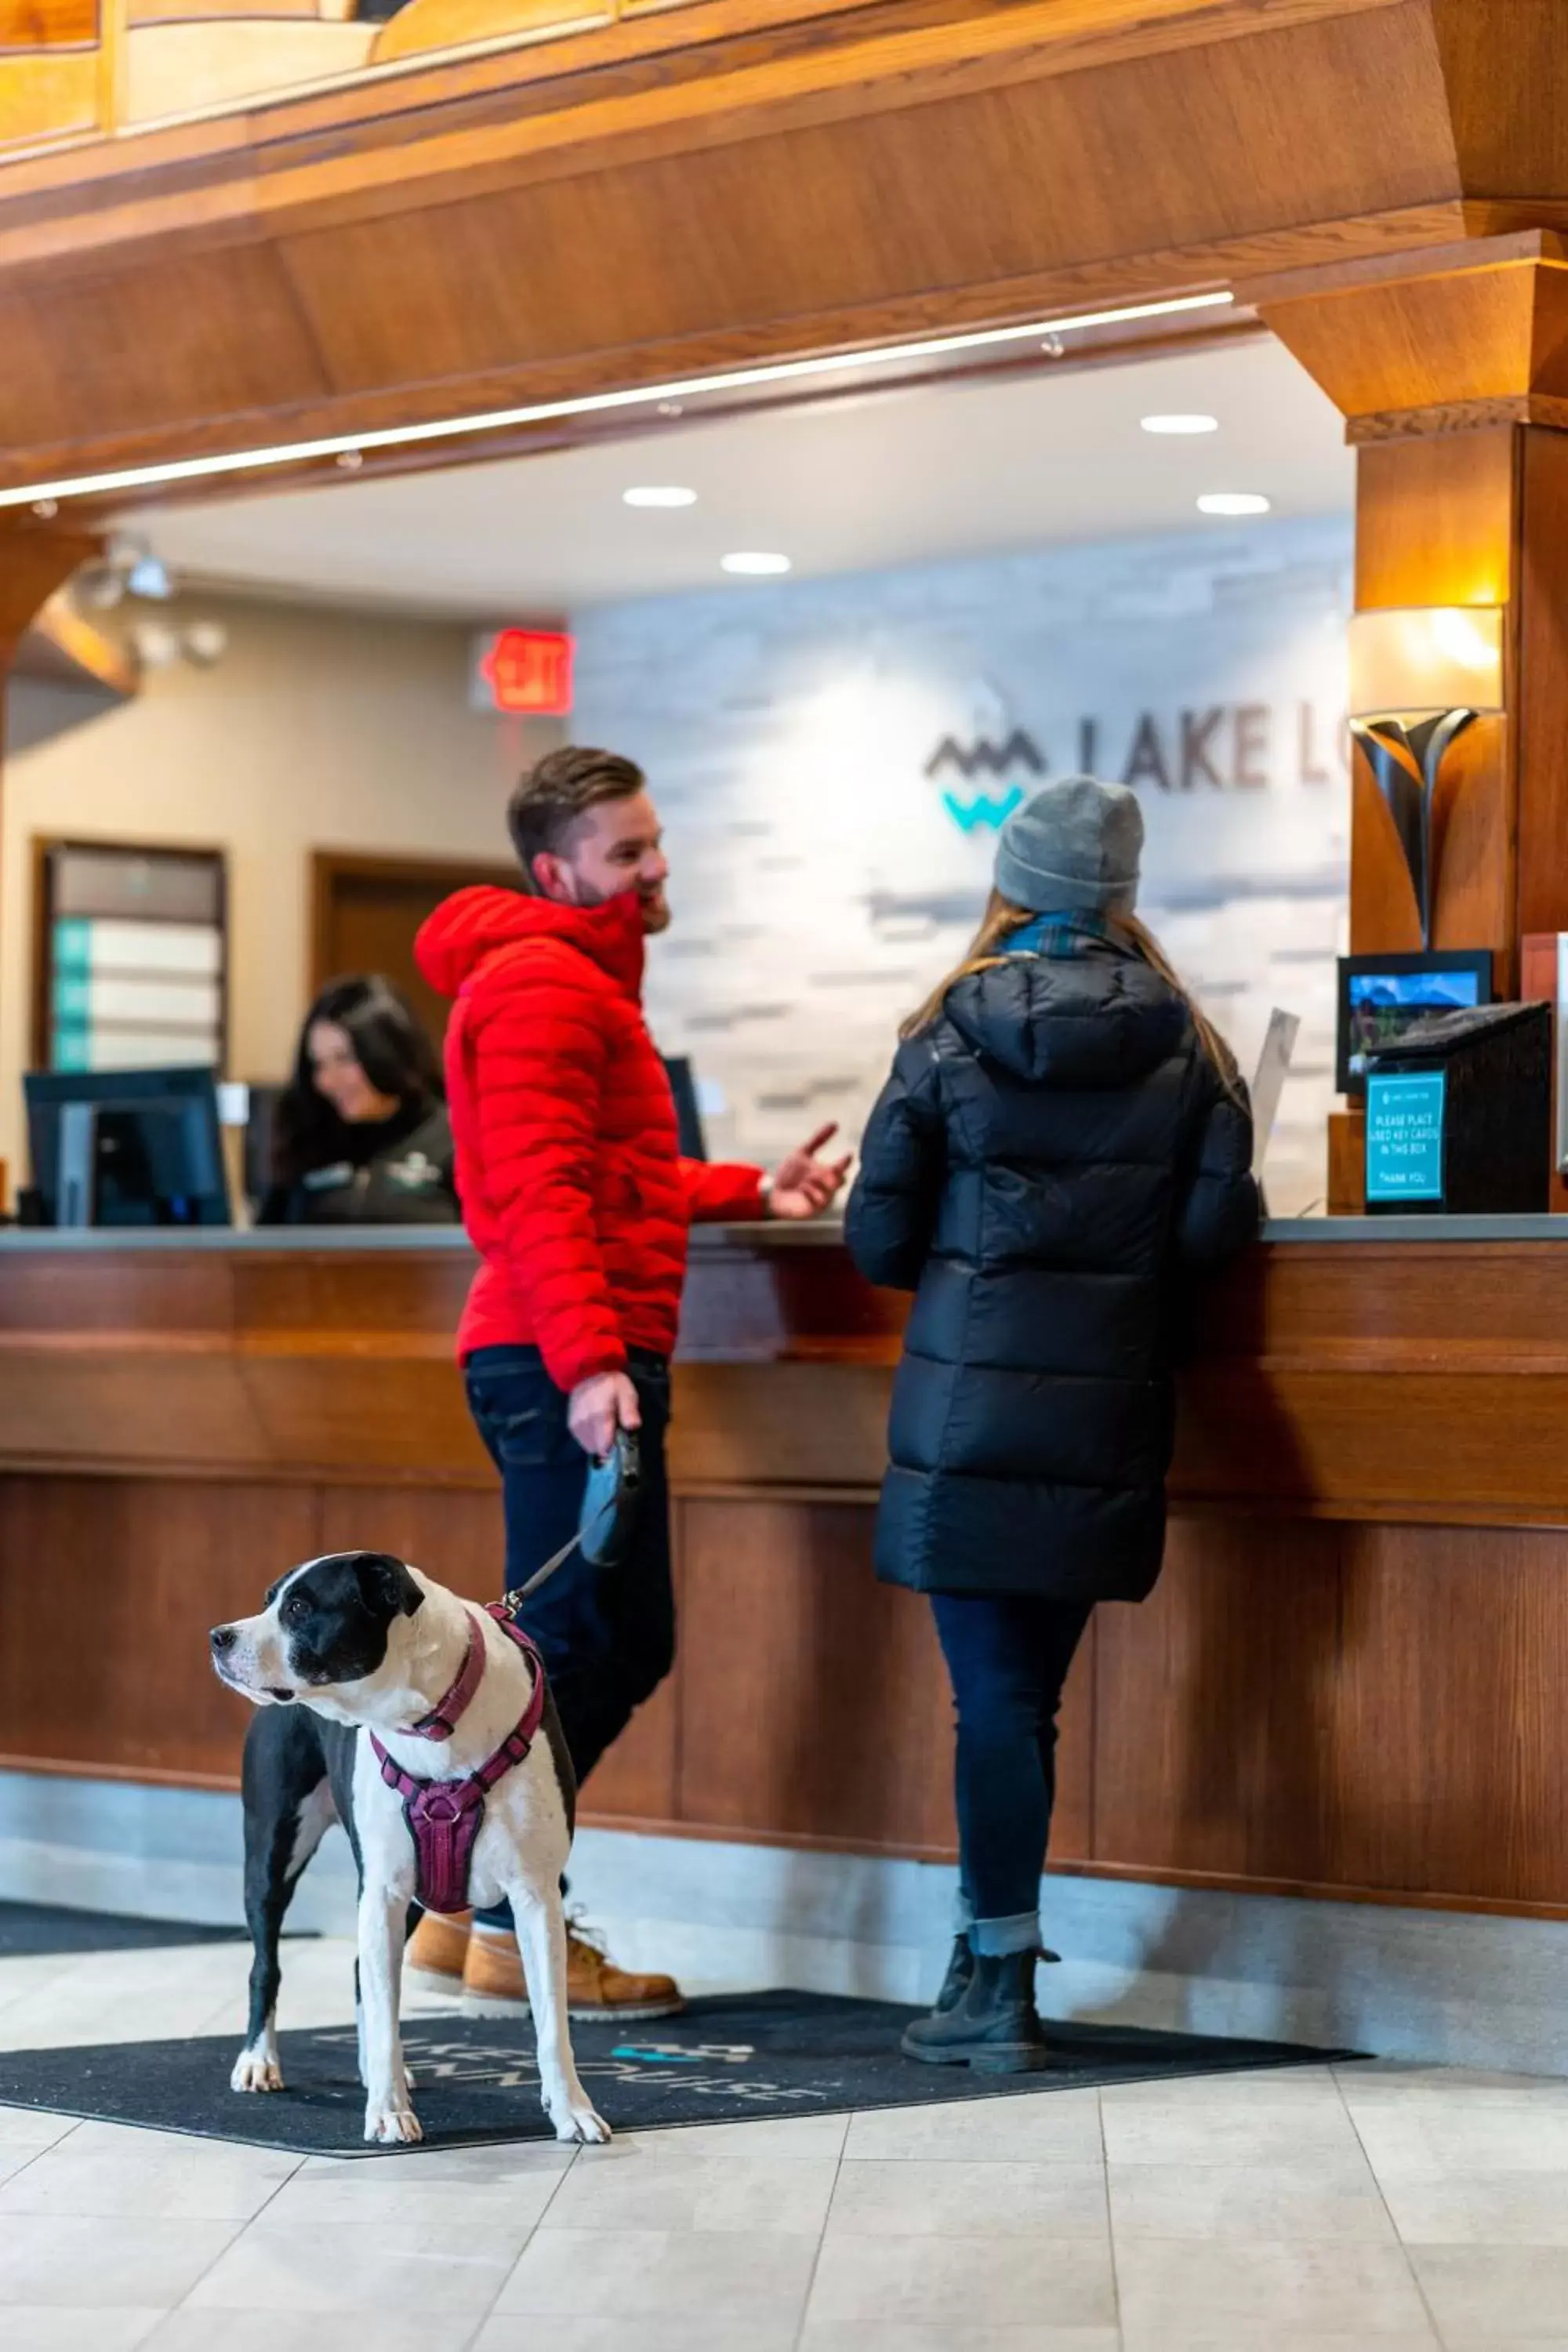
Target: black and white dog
{"type": "Point", "coordinates": [392, 1705]}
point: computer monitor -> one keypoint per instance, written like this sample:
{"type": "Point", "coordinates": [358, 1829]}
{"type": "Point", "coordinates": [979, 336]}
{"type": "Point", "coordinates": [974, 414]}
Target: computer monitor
{"type": "Point", "coordinates": [127, 1148]}
{"type": "Point", "coordinates": [1382, 996]}
{"type": "Point", "coordinates": [688, 1116]}
{"type": "Point", "coordinates": [261, 1112]}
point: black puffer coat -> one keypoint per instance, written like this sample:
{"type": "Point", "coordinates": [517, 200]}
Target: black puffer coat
{"type": "Point", "coordinates": [1043, 1166]}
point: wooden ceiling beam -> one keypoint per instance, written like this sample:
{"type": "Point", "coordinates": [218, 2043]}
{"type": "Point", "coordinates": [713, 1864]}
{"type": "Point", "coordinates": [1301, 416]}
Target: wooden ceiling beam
{"type": "Point", "coordinates": [898, 171]}
{"type": "Point", "coordinates": [36, 558]}
{"type": "Point", "coordinates": [698, 188]}
{"type": "Point", "coordinates": [1447, 341]}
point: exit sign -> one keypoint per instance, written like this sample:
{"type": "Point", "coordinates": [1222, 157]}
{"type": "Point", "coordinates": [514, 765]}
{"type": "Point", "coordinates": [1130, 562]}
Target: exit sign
{"type": "Point", "coordinates": [526, 673]}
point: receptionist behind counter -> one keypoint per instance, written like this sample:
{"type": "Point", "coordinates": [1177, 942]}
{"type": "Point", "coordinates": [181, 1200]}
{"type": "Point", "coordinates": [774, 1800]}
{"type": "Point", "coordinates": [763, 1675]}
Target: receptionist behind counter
{"type": "Point", "coordinates": [360, 1135]}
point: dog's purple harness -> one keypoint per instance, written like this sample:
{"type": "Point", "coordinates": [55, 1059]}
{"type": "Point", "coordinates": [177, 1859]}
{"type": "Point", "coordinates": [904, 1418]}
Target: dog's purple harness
{"type": "Point", "coordinates": [444, 1816]}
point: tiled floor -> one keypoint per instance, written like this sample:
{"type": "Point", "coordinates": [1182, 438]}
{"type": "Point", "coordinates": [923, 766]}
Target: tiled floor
{"type": "Point", "coordinates": [1357, 2210]}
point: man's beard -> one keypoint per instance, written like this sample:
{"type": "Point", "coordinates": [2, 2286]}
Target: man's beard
{"type": "Point", "coordinates": [655, 906]}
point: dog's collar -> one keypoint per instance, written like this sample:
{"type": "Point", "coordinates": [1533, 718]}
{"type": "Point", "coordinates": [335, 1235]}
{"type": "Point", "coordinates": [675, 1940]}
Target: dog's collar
{"type": "Point", "coordinates": [446, 1713]}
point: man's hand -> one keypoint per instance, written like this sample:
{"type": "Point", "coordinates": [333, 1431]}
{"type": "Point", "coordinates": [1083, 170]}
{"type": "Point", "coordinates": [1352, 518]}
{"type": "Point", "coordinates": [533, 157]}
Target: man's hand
{"type": "Point", "coordinates": [598, 1407]}
{"type": "Point", "coordinates": [804, 1185]}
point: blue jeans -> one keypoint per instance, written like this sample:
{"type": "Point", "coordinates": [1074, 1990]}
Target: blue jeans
{"type": "Point", "coordinates": [607, 1634]}
{"type": "Point", "coordinates": [1007, 1657]}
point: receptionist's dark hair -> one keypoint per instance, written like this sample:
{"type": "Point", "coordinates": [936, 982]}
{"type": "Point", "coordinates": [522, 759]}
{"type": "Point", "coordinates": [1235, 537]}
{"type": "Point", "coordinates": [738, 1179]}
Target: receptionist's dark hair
{"type": "Point", "coordinates": [391, 1046]}
{"type": "Point", "coordinates": [553, 797]}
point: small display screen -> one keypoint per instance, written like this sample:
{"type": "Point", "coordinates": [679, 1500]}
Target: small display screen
{"type": "Point", "coordinates": [1383, 997]}
{"type": "Point", "coordinates": [1405, 1137]}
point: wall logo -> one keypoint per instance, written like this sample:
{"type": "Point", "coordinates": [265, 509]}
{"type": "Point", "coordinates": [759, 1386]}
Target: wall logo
{"type": "Point", "coordinates": [1240, 747]}
{"type": "Point", "coordinates": [972, 809]}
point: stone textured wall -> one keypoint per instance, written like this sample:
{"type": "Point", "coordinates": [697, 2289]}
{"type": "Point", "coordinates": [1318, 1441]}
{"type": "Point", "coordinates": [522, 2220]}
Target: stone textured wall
{"type": "Point", "coordinates": [832, 757]}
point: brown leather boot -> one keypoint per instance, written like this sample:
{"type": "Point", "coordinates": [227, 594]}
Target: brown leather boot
{"type": "Point", "coordinates": [493, 1981]}
{"type": "Point", "coordinates": [438, 1950]}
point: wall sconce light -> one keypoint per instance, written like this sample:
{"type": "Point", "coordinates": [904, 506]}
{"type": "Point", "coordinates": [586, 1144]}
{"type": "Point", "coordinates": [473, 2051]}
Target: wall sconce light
{"type": "Point", "coordinates": [1418, 679]}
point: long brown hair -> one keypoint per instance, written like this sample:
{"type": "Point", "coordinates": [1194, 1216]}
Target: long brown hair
{"type": "Point", "coordinates": [988, 948]}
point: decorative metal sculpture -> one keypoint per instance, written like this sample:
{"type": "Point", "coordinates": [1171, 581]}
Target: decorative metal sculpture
{"type": "Point", "coordinates": [1406, 760]}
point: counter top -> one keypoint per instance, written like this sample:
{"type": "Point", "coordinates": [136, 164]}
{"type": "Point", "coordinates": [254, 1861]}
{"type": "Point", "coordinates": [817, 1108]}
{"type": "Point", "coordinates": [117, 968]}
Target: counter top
{"type": "Point", "coordinates": [1283, 1231]}
{"type": "Point", "coordinates": [824, 1232]}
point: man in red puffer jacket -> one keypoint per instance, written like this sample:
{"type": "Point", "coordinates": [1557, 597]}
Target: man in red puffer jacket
{"type": "Point", "coordinates": [576, 1197]}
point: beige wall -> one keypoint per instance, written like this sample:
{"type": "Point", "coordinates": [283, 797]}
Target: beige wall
{"type": "Point", "coordinates": [317, 729]}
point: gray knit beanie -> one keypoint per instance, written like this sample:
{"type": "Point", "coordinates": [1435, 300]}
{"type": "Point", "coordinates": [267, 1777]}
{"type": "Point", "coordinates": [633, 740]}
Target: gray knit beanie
{"type": "Point", "coordinates": [1073, 847]}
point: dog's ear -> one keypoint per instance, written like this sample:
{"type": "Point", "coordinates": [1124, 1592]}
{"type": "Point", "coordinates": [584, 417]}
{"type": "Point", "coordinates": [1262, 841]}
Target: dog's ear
{"type": "Point", "coordinates": [386, 1587]}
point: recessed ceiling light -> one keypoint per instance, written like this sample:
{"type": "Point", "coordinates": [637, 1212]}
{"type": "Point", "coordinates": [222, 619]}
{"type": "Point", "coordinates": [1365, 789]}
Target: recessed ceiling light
{"type": "Point", "coordinates": [1180, 425]}
{"type": "Point", "coordinates": [657, 494]}
{"type": "Point", "coordinates": [755, 566]}
{"type": "Point", "coordinates": [1233, 502]}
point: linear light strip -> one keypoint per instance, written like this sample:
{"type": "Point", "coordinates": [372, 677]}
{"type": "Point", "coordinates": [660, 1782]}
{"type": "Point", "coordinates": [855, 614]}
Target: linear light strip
{"type": "Point", "coordinates": [497, 420]}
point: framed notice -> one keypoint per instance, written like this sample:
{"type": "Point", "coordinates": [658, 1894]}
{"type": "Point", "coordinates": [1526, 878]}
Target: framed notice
{"type": "Point", "coordinates": [132, 957]}
{"type": "Point", "coordinates": [1404, 1114]}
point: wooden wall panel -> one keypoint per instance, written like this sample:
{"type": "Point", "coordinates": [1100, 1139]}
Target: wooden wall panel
{"type": "Point", "coordinates": [1435, 520]}
{"type": "Point", "coordinates": [1540, 669]}
{"type": "Point", "coordinates": [813, 1701]}
{"type": "Point", "coordinates": [157, 1405]}
{"type": "Point", "coordinates": [453, 1534]}
{"type": "Point", "coordinates": [800, 1424]}
{"type": "Point", "coordinates": [107, 1590]}
{"type": "Point", "coordinates": [1212, 1707]}
{"type": "Point", "coordinates": [1308, 1702]}
{"type": "Point", "coordinates": [310, 1421]}
{"type": "Point", "coordinates": [1450, 1747]}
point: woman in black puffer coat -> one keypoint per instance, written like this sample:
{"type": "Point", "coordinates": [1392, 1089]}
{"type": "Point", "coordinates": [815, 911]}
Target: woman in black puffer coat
{"type": "Point", "coordinates": [1064, 1141]}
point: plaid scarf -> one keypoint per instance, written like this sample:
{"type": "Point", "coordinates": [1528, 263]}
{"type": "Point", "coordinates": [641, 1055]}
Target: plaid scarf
{"type": "Point", "coordinates": [1063, 935]}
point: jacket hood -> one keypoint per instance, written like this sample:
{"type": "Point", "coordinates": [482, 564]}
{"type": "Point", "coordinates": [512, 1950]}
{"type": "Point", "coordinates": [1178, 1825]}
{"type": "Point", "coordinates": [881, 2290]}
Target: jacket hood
{"type": "Point", "coordinates": [455, 940]}
{"type": "Point", "coordinates": [1099, 1020]}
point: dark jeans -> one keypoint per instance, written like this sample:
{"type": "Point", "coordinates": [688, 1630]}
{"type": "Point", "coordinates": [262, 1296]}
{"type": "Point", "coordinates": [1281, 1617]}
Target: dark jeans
{"type": "Point", "coordinates": [607, 1634]}
{"type": "Point", "coordinates": [1008, 1658]}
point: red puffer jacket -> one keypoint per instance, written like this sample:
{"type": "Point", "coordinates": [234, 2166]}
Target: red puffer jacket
{"type": "Point", "coordinates": [573, 1186]}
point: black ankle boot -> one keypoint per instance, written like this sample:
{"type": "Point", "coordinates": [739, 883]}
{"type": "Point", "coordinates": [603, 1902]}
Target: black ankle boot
{"type": "Point", "coordinates": [994, 2026]}
{"type": "Point", "coordinates": [955, 1984]}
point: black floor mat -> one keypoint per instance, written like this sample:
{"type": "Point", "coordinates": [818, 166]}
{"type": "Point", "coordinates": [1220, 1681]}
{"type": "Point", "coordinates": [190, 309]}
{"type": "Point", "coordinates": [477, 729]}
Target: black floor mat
{"type": "Point", "coordinates": [28, 1928]}
{"type": "Point", "coordinates": [725, 2060]}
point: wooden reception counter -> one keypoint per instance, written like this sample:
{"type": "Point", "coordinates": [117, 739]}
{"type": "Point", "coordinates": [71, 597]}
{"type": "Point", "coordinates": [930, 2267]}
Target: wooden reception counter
{"type": "Point", "coordinates": [1349, 1683]}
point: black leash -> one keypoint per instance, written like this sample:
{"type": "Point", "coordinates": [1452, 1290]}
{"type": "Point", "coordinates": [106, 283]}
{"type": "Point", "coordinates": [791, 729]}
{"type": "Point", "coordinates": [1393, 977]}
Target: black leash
{"type": "Point", "coordinates": [613, 1494]}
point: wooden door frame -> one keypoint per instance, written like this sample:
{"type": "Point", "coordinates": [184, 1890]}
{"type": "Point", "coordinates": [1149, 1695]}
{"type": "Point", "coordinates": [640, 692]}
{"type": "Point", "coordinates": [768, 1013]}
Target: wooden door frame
{"type": "Point", "coordinates": [331, 867]}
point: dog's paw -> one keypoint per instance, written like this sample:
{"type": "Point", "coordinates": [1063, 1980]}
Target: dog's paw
{"type": "Point", "coordinates": [575, 2119]}
{"type": "Point", "coordinates": [256, 2070]}
{"type": "Point", "coordinates": [392, 2127]}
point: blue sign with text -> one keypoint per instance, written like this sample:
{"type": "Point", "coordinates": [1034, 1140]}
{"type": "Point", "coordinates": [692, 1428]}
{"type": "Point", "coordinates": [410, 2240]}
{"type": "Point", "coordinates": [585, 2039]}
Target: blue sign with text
{"type": "Point", "coordinates": [1404, 1136]}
